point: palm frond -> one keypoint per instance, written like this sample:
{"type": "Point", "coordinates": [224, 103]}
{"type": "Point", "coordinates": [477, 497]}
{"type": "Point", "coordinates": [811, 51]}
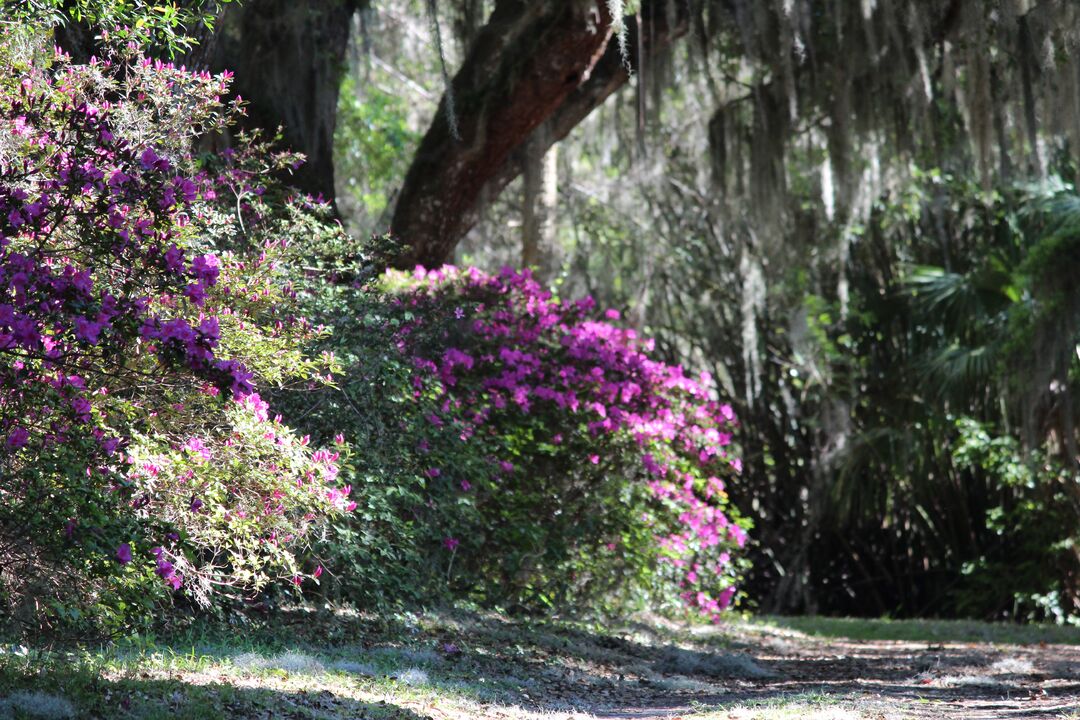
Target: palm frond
{"type": "Point", "coordinates": [1053, 204]}
{"type": "Point", "coordinates": [959, 370]}
{"type": "Point", "coordinates": [958, 302]}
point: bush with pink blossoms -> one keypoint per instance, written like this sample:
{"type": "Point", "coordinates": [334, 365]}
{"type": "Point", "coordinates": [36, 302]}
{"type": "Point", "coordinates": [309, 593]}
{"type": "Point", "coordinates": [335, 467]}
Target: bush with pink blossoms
{"type": "Point", "coordinates": [144, 304]}
{"type": "Point", "coordinates": [533, 453]}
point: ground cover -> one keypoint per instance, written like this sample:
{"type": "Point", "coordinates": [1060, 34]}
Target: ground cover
{"type": "Point", "coordinates": [329, 666]}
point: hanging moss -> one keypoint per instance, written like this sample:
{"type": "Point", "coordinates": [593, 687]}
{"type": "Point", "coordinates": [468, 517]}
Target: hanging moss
{"type": "Point", "coordinates": [863, 68]}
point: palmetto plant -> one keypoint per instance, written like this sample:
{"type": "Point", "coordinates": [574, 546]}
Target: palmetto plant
{"type": "Point", "coordinates": [1000, 336]}
{"type": "Point", "coordinates": [965, 318]}
{"type": "Point", "coordinates": [968, 369]}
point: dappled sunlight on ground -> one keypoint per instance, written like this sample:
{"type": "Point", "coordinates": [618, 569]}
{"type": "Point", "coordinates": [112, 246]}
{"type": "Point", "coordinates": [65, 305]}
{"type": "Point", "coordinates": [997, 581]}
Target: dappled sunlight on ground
{"type": "Point", "coordinates": [471, 665]}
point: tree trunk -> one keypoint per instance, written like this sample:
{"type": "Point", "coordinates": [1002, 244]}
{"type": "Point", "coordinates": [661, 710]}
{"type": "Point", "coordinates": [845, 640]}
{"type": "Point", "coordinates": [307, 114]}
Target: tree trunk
{"type": "Point", "coordinates": [289, 57]}
{"type": "Point", "coordinates": [525, 62]}
{"type": "Point", "coordinates": [539, 205]}
{"type": "Point", "coordinates": [545, 63]}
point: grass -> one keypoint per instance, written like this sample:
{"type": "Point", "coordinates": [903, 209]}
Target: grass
{"type": "Point", "coordinates": [796, 706]}
{"type": "Point", "coordinates": [332, 666]}
{"type": "Point", "coordinates": [329, 666]}
{"type": "Point", "coordinates": [925, 631]}
{"type": "Point", "coordinates": [215, 674]}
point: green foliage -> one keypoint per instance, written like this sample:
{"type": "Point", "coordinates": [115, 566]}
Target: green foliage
{"type": "Point", "coordinates": [372, 145]}
{"type": "Point", "coordinates": [1039, 522]}
{"type": "Point", "coordinates": [960, 424]}
{"type": "Point", "coordinates": [163, 24]}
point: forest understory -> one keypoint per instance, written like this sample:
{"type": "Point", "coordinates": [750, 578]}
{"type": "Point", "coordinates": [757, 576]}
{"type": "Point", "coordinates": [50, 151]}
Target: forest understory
{"type": "Point", "coordinates": [713, 322]}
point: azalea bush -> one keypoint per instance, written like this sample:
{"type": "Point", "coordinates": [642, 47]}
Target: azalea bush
{"type": "Point", "coordinates": [144, 306]}
{"type": "Point", "coordinates": [518, 450]}
{"type": "Point", "coordinates": [525, 452]}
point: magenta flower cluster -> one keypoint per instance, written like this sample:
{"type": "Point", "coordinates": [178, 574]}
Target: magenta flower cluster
{"type": "Point", "coordinates": [108, 307]}
{"type": "Point", "coordinates": [511, 348]}
{"type": "Point", "coordinates": [89, 260]}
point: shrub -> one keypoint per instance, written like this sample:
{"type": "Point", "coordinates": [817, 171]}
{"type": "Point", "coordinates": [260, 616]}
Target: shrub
{"type": "Point", "coordinates": [526, 453]}
{"type": "Point", "coordinates": [143, 302]}
{"type": "Point", "coordinates": [1030, 573]}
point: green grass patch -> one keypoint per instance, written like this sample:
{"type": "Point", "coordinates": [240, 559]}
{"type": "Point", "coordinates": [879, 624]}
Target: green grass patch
{"type": "Point", "coordinates": [264, 672]}
{"type": "Point", "coordinates": [928, 631]}
{"type": "Point", "coordinates": [337, 665]}
{"type": "Point", "coordinates": [794, 706]}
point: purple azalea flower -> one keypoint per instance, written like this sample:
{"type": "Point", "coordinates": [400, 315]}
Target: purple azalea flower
{"type": "Point", "coordinates": [150, 160]}
{"type": "Point", "coordinates": [206, 268]}
{"type": "Point", "coordinates": [82, 408]}
{"type": "Point", "coordinates": [164, 568]}
{"type": "Point", "coordinates": [174, 258]}
{"type": "Point", "coordinates": [87, 330]}
{"type": "Point", "coordinates": [17, 438]}
{"type": "Point", "coordinates": [196, 293]}
{"type": "Point", "coordinates": [26, 333]}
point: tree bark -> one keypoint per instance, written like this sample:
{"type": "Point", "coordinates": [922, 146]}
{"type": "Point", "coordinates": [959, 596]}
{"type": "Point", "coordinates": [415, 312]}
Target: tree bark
{"type": "Point", "coordinates": [528, 58]}
{"type": "Point", "coordinates": [546, 62]}
{"type": "Point", "coordinates": [289, 57]}
{"type": "Point", "coordinates": [663, 22]}
{"type": "Point", "coordinates": [539, 206]}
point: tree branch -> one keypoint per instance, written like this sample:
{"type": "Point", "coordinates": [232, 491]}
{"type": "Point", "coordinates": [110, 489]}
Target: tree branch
{"type": "Point", "coordinates": [533, 63]}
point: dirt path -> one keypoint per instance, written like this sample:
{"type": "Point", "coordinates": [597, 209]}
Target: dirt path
{"type": "Point", "coordinates": [751, 670]}
{"type": "Point", "coordinates": [460, 665]}
{"type": "Point", "coordinates": [885, 679]}
{"type": "Point", "coordinates": [921, 680]}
